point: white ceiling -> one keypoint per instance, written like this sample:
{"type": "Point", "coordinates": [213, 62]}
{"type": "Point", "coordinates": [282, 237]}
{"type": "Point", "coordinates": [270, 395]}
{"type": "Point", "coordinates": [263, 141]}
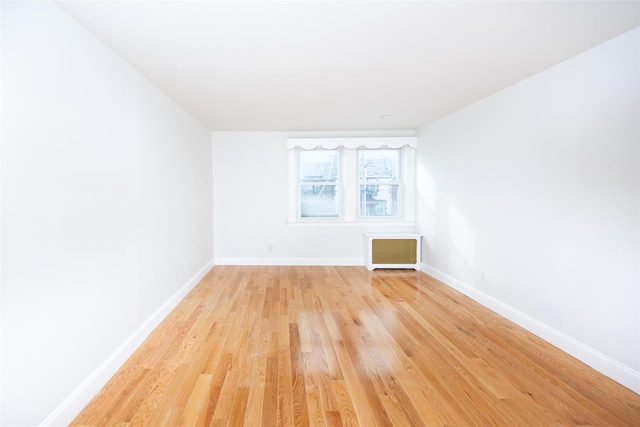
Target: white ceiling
{"type": "Point", "coordinates": [341, 65]}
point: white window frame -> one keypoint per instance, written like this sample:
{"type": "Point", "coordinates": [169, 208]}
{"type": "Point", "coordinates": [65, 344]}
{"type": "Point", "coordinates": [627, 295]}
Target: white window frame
{"type": "Point", "coordinates": [349, 189]}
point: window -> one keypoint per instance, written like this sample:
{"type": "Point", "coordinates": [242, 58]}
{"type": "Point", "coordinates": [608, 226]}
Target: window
{"type": "Point", "coordinates": [319, 183]}
{"type": "Point", "coordinates": [352, 180]}
{"type": "Point", "coordinates": [379, 182]}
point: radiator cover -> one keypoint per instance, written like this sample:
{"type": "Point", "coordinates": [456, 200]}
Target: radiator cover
{"type": "Point", "coordinates": [392, 250]}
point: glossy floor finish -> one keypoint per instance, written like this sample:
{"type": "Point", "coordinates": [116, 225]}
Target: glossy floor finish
{"type": "Point", "coordinates": [343, 346]}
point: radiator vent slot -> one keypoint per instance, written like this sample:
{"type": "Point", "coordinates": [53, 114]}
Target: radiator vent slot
{"type": "Point", "coordinates": [393, 251]}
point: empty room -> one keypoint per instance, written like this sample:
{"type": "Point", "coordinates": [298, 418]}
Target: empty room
{"type": "Point", "coordinates": [328, 213]}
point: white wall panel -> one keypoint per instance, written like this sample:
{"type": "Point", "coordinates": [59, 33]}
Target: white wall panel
{"type": "Point", "coordinates": [532, 197]}
{"type": "Point", "coordinates": [106, 206]}
{"type": "Point", "coordinates": [251, 210]}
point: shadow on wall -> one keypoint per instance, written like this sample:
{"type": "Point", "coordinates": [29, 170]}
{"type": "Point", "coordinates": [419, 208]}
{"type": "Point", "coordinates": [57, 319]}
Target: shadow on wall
{"type": "Point", "coordinates": [457, 251]}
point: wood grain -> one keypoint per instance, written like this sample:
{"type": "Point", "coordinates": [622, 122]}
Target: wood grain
{"type": "Point", "coordinates": [344, 346]}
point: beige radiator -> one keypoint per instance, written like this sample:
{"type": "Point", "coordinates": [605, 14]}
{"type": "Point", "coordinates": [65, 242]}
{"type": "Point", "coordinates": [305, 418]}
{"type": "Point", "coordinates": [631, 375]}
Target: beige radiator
{"type": "Point", "coordinates": [392, 250]}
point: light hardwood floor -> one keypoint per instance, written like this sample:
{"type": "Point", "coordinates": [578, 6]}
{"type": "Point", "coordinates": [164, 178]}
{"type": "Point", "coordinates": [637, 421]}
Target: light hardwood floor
{"type": "Point", "coordinates": [343, 346]}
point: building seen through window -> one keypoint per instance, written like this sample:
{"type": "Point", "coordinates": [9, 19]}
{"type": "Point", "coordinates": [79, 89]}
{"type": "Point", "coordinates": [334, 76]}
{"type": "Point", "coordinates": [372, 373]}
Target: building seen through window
{"type": "Point", "coordinates": [319, 183]}
{"type": "Point", "coordinates": [378, 177]}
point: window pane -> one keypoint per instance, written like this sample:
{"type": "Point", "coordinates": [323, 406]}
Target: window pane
{"type": "Point", "coordinates": [319, 200]}
{"type": "Point", "coordinates": [319, 166]}
{"type": "Point", "coordinates": [378, 165]}
{"type": "Point", "coordinates": [379, 200]}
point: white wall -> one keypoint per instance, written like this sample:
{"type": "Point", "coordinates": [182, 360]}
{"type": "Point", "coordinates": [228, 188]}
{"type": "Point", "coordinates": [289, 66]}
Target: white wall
{"type": "Point", "coordinates": [250, 213]}
{"type": "Point", "coordinates": [530, 200]}
{"type": "Point", "coordinates": [106, 210]}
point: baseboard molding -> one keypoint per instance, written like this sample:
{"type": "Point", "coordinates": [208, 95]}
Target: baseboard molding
{"type": "Point", "coordinates": [292, 261]}
{"type": "Point", "coordinates": [600, 362]}
{"type": "Point", "coordinates": [72, 405]}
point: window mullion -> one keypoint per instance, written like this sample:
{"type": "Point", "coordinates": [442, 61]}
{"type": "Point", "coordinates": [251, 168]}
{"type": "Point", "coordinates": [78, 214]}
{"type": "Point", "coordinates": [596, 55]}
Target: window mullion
{"type": "Point", "coordinates": [349, 184]}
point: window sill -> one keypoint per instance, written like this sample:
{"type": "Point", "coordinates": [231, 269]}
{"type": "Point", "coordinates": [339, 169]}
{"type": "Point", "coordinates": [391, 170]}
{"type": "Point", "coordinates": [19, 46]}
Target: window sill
{"type": "Point", "coordinates": [350, 224]}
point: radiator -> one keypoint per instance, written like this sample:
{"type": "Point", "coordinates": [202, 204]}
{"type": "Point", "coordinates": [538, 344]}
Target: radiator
{"type": "Point", "coordinates": [392, 250]}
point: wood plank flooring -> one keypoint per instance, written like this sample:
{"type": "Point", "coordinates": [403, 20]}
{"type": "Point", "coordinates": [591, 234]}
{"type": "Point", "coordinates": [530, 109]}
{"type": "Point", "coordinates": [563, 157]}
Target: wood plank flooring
{"type": "Point", "coordinates": [343, 346]}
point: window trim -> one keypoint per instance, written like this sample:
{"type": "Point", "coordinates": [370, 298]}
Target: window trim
{"type": "Point", "coordinates": [349, 200]}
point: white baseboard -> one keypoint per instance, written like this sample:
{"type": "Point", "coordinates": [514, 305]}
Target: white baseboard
{"type": "Point", "coordinates": [72, 405]}
{"type": "Point", "coordinates": [291, 261]}
{"type": "Point", "coordinates": [598, 361]}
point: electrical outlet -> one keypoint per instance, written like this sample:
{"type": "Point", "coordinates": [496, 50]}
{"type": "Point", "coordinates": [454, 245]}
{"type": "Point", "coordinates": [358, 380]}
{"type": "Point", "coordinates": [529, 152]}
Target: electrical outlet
{"type": "Point", "coordinates": [270, 248]}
